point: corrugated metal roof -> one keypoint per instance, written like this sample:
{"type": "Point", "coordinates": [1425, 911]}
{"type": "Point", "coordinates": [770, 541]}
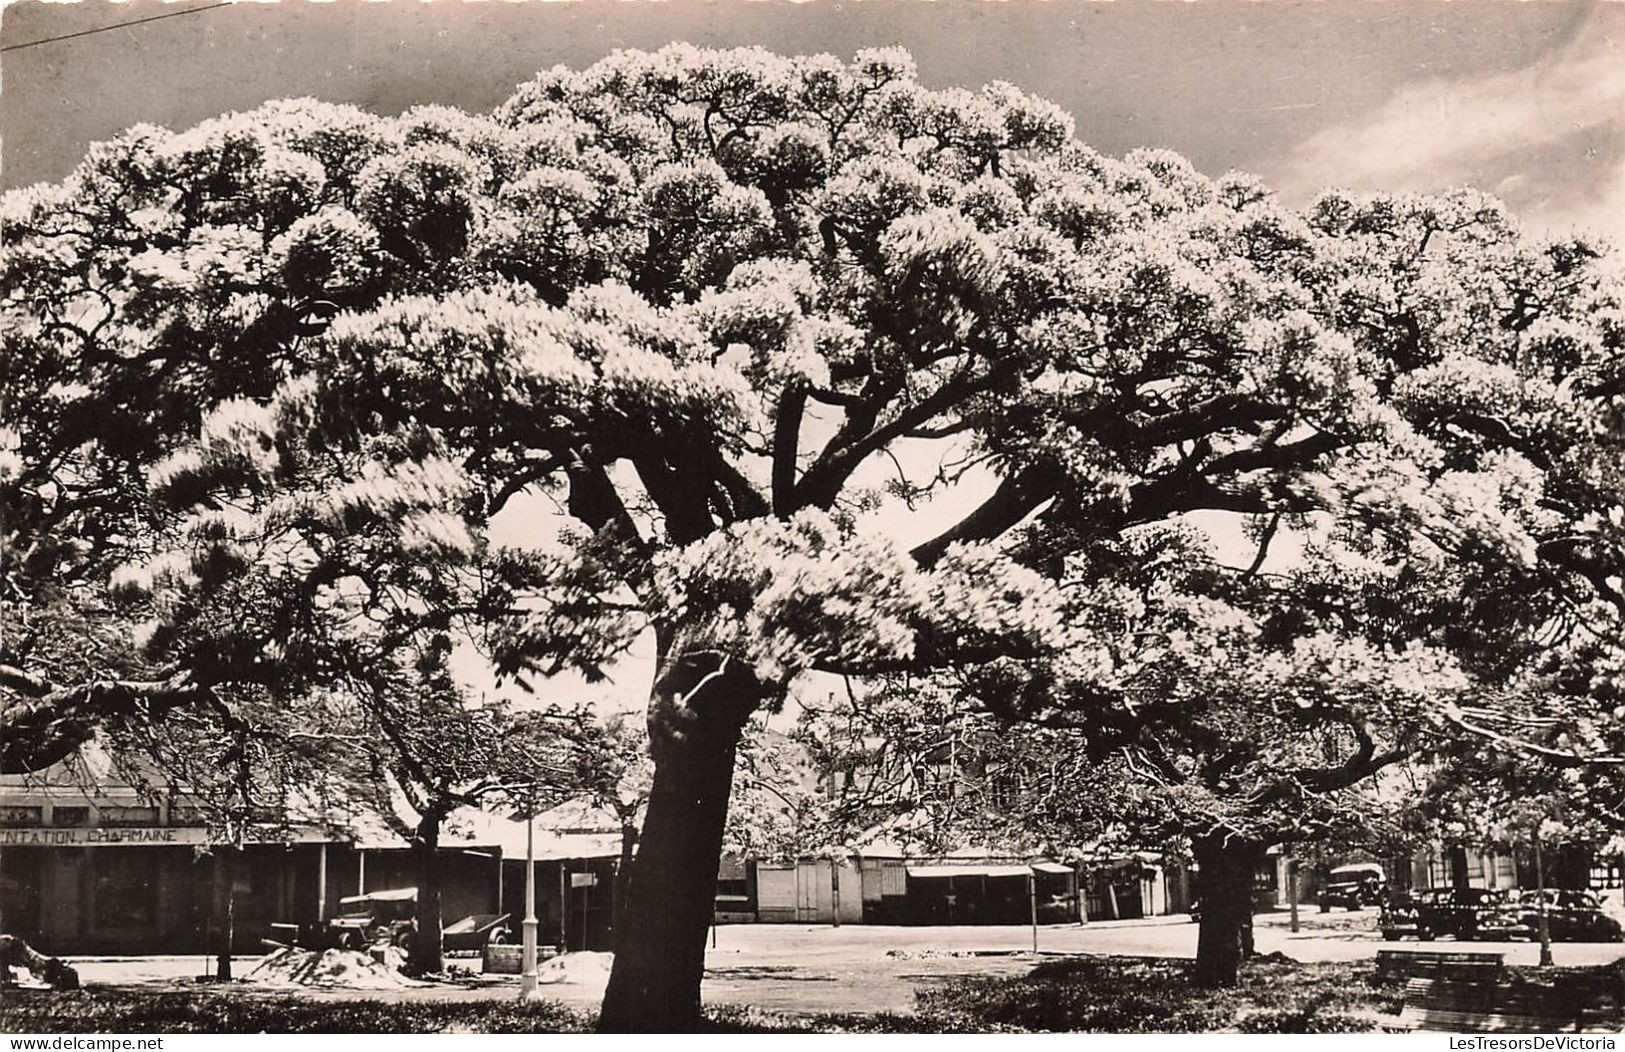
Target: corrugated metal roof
{"type": "Point", "coordinates": [471, 828]}
{"type": "Point", "coordinates": [572, 845]}
{"type": "Point", "coordinates": [1051, 867]}
{"type": "Point", "coordinates": [938, 872]}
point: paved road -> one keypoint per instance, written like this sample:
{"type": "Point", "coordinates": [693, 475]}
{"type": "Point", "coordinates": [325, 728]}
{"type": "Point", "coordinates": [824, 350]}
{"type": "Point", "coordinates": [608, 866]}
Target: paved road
{"type": "Point", "coordinates": [869, 968]}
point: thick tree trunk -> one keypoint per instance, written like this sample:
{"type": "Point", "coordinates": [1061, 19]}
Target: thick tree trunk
{"type": "Point", "coordinates": [1225, 936]}
{"type": "Point", "coordinates": [225, 872]}
{"type": "Point", "coordinates": [698, 707]}
{"type": "Point", "coordinates": [427, 956]}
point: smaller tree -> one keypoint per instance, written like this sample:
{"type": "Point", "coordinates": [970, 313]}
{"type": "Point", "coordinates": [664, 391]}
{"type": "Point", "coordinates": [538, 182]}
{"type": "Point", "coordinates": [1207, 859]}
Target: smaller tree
{"type": "Point", "coordinates": [778, 811]}
{"type": "Point", "coordinates": [440, 753]}
{"type": "Point", "coordinates": [618, 773]}
{"type": "Point", "coordinates": [247, 766]}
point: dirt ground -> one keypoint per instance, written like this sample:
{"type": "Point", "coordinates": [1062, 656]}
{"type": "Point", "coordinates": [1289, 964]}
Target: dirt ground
{"type": "Point", "coordinates": [794, 969]}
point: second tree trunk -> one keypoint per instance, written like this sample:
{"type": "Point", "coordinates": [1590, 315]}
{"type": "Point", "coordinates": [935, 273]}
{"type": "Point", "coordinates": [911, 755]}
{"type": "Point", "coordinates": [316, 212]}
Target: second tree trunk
{"type": "Point", "coordinates": [1225, 936]}
{"type": "Point", "coordinates": [425, 954]}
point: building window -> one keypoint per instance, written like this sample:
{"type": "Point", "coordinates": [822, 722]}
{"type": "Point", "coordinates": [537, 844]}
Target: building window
{"type": "Point", "coordinates": [74, 817]}
{"type": "Point", "coordinates": [13, 816]}
{"type": "Point", "coordinates": [129, 816]}
{"type": "Point", "coordinates": [126, 888]}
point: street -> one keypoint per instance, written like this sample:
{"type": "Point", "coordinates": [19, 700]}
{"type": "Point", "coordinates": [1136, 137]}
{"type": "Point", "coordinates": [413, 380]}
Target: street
{"type": "Point", "coordinates": [803, 969]}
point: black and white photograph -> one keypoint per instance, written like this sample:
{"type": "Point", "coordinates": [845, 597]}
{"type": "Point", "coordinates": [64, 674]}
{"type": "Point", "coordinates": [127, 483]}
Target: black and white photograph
{"type": "Point", "coordinates": [974, 517]}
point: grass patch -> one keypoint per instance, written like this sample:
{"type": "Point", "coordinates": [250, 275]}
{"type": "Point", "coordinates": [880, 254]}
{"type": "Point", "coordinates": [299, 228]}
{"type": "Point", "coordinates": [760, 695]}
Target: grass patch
{"type": "Point", "coordinates": [1122, 996]}
{"type": "Point", "coordinates": [112, 1009]}
{"type": "Point", "coordinates": [1101, 994]}
{"type": "Point", "coordinates": [1155, 996]}
{"type": "Point", "coordinates": [740, 1019]}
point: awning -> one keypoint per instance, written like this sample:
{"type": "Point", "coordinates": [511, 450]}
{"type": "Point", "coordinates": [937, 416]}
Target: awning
{"type": "Point", "coordinates": [569, 846]}
{"type": "Point", "coordinates": [1051, 867]}
{"type": "Point", "coordinates": [392, 895]}
{"type": "Point", "coordinates": [939, 872]}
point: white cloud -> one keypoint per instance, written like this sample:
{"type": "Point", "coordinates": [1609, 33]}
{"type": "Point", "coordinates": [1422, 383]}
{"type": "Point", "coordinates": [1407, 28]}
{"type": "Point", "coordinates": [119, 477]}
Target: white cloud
{"type": "Point", "coordinates": [1549, 139]}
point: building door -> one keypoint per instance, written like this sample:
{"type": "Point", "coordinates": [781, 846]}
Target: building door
{"type": "Point", "coordinates": [1126, 892]}
{"type": "Point", "coordinates": [20, 884]}
{"type": "Point", "coordinates": [777, 894]}
{"type": "Point", "coordinates": [807, 888]}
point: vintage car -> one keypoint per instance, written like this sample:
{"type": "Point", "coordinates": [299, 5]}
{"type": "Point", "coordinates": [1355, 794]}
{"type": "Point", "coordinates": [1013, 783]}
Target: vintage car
{"type": "Point", "coordinates": [1399, 917]}
{"type": "Point", "coordinates": [389, 918]}
{"type": "Point", "coordinates": [1353, 887]}
{"type": "Point", "coordinates": [1571, 916]}
{"type": "Point", "coordinates": [378, 917]}
{"type": "Point", "coordinates": [1464, 913]}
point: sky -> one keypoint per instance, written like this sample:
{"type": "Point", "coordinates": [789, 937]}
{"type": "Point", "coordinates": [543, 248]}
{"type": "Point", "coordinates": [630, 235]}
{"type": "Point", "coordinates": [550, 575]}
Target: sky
{"type": "Point", "coordinates": [1523, 100]}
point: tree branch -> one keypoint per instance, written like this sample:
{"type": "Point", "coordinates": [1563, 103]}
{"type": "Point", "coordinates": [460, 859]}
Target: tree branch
{"type": "Point", "coordinates": [1015, 498]}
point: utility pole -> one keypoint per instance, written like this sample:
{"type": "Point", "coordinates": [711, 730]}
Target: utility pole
{"type": "Point", "coordinates": [528, 988]}
{"type": "Point", "coordinates": [1292, 890]}
{"type": "Point", "coordinates": [1545, 929]}
{"type": "Point", "coordinates": [321, 883]}
{"type": "Point", "coordinates": [1032, 905]}
{"type": "Point", "coordinates": [564, 907]}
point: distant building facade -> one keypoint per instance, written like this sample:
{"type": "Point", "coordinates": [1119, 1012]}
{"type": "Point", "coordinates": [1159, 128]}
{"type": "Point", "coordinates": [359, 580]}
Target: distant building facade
{"type": "Point", "coordinates": [90, 865]}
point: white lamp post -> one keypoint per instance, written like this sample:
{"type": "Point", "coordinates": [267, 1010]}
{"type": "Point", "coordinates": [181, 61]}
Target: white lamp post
{"type": "Point", "coordinates": [528, 990]}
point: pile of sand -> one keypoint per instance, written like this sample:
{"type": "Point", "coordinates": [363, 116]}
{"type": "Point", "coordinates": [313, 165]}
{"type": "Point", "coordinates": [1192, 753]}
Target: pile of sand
{"type": "Point", "coordinates": [584, 967]}
{"type": "Point", "coordinates": [23, 978]}
{"type": "Point", "coordinates": [349, 969]}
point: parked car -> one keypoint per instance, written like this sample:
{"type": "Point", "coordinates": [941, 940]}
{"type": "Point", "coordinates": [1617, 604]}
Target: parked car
{"type": "Point", "coordinates": [1353, 886]}
{"type": "Point", "coordinates": [1464, 913]}
{"type": "Point", "coordinates": [389, 918]}
{"type": "Point", "coordinates": [1400, 916]}
{"type": "Point", "coordinates": [1571, 916]}
{"type": "Point", "coordinates": [378, 917]}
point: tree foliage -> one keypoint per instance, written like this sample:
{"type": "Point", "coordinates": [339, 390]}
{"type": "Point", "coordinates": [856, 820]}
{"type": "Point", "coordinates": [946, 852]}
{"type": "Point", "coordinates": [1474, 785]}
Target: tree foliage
{"type": "Point", "coordinates": [271, 382]}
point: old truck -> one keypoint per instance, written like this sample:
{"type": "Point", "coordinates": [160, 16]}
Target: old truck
{"type": "Point", "coordinates": [1353, 886]}
{"type": "Point", "coordinates": [376, 918]}
{"type": "Point", "coordinates": [389, 918]}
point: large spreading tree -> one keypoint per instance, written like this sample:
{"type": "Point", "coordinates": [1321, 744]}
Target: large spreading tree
{"type": "Point", "coordinates": [702, 315]}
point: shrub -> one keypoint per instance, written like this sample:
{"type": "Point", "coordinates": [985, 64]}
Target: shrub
{"type": "Point", "coordinates": [115, 1010]}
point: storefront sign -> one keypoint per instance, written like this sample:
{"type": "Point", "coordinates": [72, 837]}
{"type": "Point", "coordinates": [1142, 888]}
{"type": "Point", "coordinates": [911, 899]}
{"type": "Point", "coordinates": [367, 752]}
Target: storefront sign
{"type": "Point", "coordinates": [150, 836]}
